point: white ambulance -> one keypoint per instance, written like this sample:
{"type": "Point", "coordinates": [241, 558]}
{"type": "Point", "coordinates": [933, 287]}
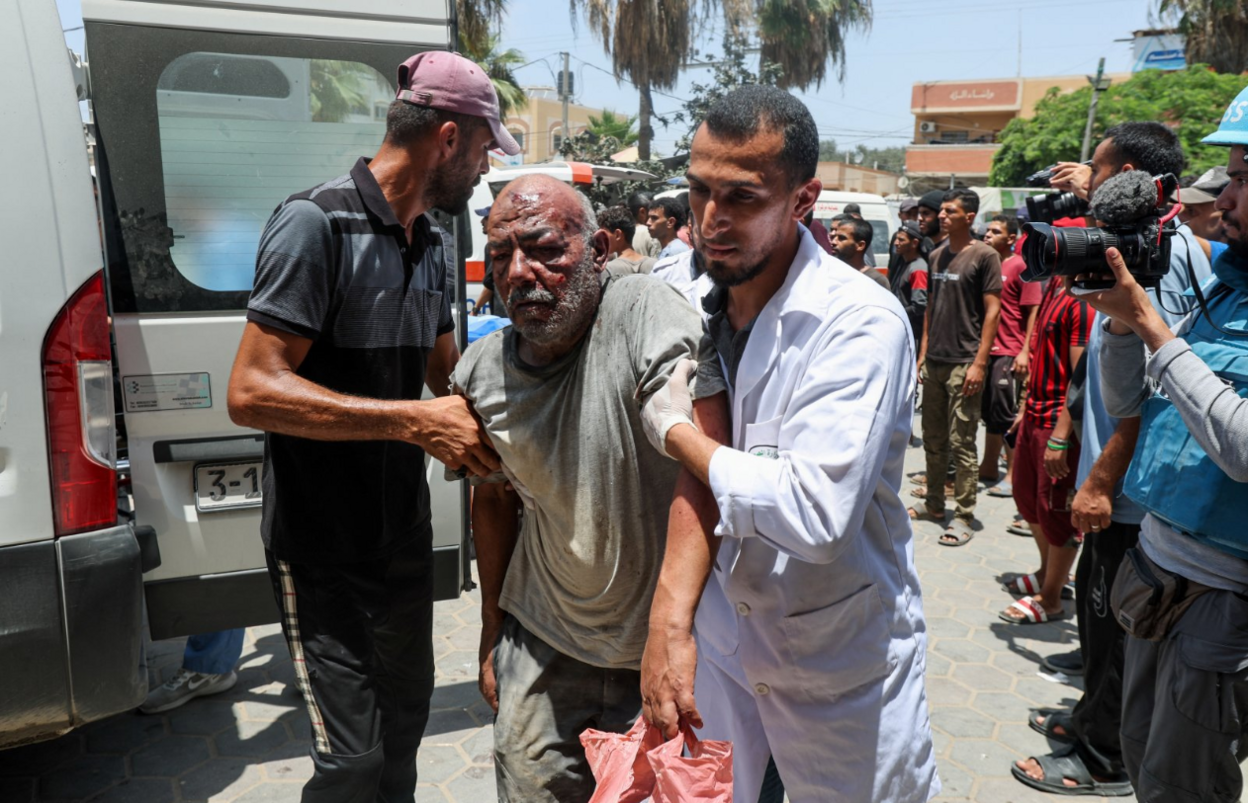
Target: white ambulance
{"type": "Point", "coordinates": [206, 116]}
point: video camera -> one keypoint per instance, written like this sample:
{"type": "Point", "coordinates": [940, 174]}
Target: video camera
{"type": "Point", "coordinates": [1048, 208]}
{"type": "Point", "coordinates": [1129, 206]}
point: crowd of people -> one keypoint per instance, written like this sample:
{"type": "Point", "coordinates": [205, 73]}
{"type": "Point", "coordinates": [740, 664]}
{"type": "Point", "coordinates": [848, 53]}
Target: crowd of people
{"type": "Point", "coordinates": [687, 455]}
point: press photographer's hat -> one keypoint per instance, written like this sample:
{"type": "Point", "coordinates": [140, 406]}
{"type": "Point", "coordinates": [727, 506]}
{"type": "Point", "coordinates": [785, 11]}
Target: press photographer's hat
{"type": "Point", "coordinates": [1233, 130]}
{"type": "Point", "coordinates": [452, 83]}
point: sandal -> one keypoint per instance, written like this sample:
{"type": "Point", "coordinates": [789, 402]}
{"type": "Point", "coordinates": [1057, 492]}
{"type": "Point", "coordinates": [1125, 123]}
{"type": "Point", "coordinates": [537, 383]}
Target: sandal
{"type": "Point", "coordinates": [1052, 719]}
{"type": "Point", "coordinates": [1019, 527]}
{"type": "Point", "coordinates": [958, 533]}
{"type": "Point", "coordinates": [1059, 766]}
{"type": "Point", "coordinates": [924, 513]}
{"type": "Point", "coordinates": [1029, 584]}
{"type": "Point", "coordinates": [1032, 613]}
{"type": "Point", "coordinates": [1003, 489]}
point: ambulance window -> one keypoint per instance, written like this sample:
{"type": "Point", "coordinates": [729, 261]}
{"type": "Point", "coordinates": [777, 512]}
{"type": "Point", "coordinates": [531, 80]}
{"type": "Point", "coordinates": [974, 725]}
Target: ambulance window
{"type": "Point", "coordinates": [879, 236]}
{"type": "Point", "coordinates": [224, 74]}
{"type": "Point", "coordinates": [238, 134]}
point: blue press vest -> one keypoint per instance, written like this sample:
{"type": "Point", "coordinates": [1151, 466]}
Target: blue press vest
{"type": "Point", "coordinates": [1171, 476]}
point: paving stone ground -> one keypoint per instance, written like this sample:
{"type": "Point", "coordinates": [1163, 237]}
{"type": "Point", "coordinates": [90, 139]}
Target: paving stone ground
{"type": "Point", "coordinates": [250, 744]}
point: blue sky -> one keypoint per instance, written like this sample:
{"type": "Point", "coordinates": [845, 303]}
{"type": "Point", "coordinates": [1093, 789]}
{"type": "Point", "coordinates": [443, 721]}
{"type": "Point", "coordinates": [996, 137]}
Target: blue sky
{"type": "Point", "coordinates": [910, 40]}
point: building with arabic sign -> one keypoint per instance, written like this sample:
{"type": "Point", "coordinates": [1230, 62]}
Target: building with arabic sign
{"type": "Point", "coordinates": [957, 123]}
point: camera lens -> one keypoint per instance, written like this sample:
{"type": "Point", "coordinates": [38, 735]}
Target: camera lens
{"type": "Point", "coordinates": [1048, 208]}
{"type": "Point", "coordinates": [1071, 251]}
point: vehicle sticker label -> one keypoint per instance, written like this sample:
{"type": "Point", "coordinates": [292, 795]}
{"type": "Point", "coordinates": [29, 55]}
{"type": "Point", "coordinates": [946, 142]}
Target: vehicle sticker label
{"type": "Point", "coordinates": [144, 393]}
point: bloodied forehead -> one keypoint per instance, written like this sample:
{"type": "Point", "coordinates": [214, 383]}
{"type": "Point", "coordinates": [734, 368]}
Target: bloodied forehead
{"type": "Point", "coordinates": [532, 206]}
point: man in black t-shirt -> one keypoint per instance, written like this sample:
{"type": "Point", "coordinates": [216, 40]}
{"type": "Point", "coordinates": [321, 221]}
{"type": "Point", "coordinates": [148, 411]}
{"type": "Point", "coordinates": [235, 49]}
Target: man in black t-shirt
{"type": "Point", "coordinates": [963, 308]}
{"type": "Point", "coordinates": [349, 318]}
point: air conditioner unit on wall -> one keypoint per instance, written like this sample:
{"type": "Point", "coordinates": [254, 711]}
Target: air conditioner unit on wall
{"type": "Point", "coordinates": [927, 127]}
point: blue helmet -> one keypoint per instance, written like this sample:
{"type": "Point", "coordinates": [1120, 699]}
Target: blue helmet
{"type": "Point", "coordinates": [1233, 130]}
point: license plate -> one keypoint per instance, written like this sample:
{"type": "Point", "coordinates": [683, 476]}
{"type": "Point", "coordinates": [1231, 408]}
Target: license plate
{"type": "Point", "coordinates": [226, 486]}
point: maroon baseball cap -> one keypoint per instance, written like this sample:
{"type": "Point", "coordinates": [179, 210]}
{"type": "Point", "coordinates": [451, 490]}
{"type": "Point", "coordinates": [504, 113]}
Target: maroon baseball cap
{"type": "Point", "coordinates": [450, 82]}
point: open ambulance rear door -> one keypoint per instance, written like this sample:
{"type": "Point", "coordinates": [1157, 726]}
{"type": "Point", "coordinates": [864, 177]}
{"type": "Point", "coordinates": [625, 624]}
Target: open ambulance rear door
{"type": "Point", "coordinates": [208, 114]}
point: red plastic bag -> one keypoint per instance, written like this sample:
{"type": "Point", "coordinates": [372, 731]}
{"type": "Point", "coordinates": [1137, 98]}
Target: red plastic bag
{"type": "Point", "coordinates": [639, 766]}
{"type": "Point", "coordinates": [704, 776]}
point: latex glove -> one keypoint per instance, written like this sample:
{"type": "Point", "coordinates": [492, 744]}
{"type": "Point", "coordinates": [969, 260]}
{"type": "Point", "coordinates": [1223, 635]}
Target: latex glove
{"type": "Point", "coordinates": [668, 406]}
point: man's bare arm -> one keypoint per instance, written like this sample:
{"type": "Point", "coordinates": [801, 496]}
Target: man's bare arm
{"type": "Point", "coordinates": [266, 393]}
{"type": "Point", "coordinates": [1094, 504]}
{"type": "Point", "coordinates": [977, 371]}
{"type": "Point", "coordinates": [442, 361]}
{"type": "Point", "coordinates": [670, 660]}
{"type": "Point", "coordinates": [495, 523]}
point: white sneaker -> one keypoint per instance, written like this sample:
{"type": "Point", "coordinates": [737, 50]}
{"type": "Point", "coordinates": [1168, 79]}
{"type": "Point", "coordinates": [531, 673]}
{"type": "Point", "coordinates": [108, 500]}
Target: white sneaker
{"type": "Point", "coordinates": [184, 687]}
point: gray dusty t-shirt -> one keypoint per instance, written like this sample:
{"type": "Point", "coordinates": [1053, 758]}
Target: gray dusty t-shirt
{"type": "Point", "coordinates": [595, 520]}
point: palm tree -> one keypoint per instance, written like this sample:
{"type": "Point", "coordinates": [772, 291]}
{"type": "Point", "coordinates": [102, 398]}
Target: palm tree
{"type": "Point", "coordinates": [500, 65]}
{"type": "Point", "coordinates": [478, 19]}
{"type": "Point", "coordinates": [1216, 31]}
{"type": "Point", "coordinates": [612, 125]}
{"type": "Point", "coordinates": [649, 40]}
{"type": "Point", "coordinates": [803, 36]}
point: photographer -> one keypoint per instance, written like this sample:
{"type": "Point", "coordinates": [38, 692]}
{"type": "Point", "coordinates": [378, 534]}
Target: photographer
{"type": "Point", "coordinates": [1111, 522]}
{"type": "Point", "coordinates": [1183, 594]}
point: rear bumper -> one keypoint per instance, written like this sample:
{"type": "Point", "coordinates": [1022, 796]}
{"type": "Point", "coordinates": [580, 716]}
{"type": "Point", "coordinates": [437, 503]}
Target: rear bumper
{"type": "Point", "coordinates": [207, 603]}
{"type": "Point", "coordinates": [71, 624]}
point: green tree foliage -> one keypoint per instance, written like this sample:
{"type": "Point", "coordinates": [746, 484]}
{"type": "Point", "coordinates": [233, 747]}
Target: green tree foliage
{"type": "Point", "coordinates": [1191, 100]}
{"type": "Point", "coordinates": [803, 37]}
{"type": "Point", "coordinates": [650, 40]}
{"type": "Point", "coordinates": [500, 65]}
{"type": "Point", "coordinates": [1215, 31]}
{"type": "Point", "coordinates": [618, 127]}
{"type": "Point", "coordinates": [730, 71]}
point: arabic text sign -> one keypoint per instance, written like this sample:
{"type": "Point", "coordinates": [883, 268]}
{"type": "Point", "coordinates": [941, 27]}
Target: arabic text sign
{"type": "Point", "coordinates": [965, 96]}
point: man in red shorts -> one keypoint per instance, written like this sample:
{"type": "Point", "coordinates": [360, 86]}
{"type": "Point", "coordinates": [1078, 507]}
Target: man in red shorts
{"type": "Point", "coordinates": [1046, 455]}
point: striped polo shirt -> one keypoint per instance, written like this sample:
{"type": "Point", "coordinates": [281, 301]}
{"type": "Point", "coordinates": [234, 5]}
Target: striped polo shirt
{"type": "Point", "coordinates": [335, 266]}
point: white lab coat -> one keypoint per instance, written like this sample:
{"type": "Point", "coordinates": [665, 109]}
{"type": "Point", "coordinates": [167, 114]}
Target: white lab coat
{"type": "Point", "coordinates": [810, 633]}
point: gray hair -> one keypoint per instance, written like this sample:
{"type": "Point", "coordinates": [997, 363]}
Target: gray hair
{"type": "Point", "coordinates": [589, 218]}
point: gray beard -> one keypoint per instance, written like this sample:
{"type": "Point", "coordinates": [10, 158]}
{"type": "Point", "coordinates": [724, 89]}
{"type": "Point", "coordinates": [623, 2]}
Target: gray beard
{"type": "Point", "coordinates": [580, 300]}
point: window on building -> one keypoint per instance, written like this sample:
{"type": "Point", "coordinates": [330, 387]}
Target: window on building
{"type": "Point", "coordinates": [556, 140]}
{"type": "Point", "coordinates": [517, 133]}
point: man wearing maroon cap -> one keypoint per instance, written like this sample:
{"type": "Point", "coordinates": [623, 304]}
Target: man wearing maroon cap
{"type": "Point", "coordinates": [350, 315]}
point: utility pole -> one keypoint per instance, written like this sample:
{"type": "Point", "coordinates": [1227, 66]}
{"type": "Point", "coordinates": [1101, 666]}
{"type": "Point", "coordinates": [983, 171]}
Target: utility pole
{"type": "Point", "coordinates": [565, 91]}
{"type": "Point", "coordinates": [1099, 85]}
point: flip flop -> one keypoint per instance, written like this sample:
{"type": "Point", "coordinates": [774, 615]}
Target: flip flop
{"type": "Point", "coordinates": [1019, 527]}
{"type": "Point", "coordinates": [1067, 764]}
{"type": "Point", "coordinates": [959, 531]}
{"type": "Point", "coordinates": [1032, 614]}
{"type": "Point", "coordinates": [1002, 489]}
{"type": "Point", "coordinates": [1052, 719]}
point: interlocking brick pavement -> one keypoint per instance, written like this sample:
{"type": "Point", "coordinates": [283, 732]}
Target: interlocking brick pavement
{"type": "Point", "coordinates": [250, 744]}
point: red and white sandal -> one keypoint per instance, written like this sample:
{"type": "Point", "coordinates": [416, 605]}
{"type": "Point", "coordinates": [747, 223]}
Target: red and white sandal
{"type": "Point", "coordinates": [1032, 613]}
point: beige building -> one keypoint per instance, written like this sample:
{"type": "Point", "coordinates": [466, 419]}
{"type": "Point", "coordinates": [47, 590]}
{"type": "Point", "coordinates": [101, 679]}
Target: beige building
{"type": "Point", "coordinates": [538, 127]}
{"type": "Point", "coordinates": [957, 123]}
{"type": "Point", "coordinates": [854, 178]}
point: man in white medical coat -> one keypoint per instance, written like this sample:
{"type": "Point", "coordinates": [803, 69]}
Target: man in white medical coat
{"type": "Point", "coordinates": [809, 634]}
